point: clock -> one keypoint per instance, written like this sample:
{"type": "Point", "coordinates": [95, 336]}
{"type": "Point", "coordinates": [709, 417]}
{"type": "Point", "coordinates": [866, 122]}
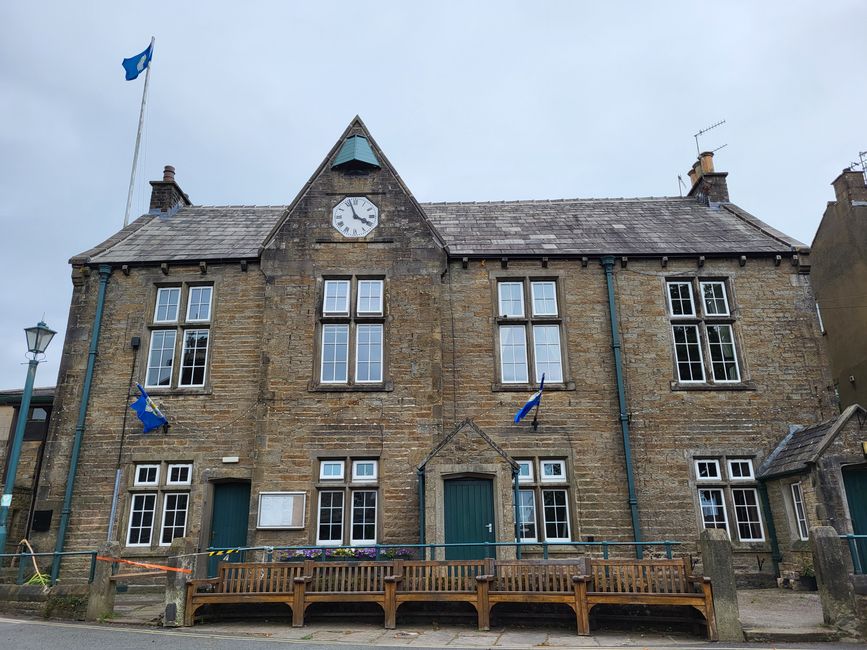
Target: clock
{"type": "Point", "coordinates": [355, 216]}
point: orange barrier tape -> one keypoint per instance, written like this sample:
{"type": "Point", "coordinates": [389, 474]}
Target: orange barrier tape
{"type": "Point", "coordinates": [161, 567]}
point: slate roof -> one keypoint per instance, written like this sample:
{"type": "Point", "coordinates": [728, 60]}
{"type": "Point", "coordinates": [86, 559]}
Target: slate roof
{"type": "Point", "coordinates": [649, 226]}
{"type": "Point", "coordinates": [192, 233]}
{"type": "Point", "coordinates": [644, 226]}
{"type": "Point", "coordinates": [40, 395]}
{"type": "Point", "coordinates": [804, 446]}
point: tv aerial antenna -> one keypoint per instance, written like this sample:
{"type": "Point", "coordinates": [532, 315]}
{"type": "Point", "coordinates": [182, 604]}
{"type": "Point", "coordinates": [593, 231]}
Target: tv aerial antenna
{"type": "Point", "coordinates": [862, 157]}
{"type": "Point", "coordinates": [702, 132]}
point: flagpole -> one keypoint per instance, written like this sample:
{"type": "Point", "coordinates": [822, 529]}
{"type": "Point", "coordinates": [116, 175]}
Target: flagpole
{"type": "Point", "coordinates": [144, 96]}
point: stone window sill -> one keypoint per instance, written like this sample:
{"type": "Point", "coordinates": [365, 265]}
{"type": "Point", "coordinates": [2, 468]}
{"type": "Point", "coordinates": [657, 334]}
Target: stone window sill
{"type": "Point", "coordinates": [171, 392]}
{"type": "Point", "coordinates": [532, 388]}
{"type": "Point", "coordinates": [316, 387]}
{"type": "Point", "coordinates": [744, 385]}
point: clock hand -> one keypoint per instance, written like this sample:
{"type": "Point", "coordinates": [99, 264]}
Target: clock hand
{"type": "Point", "coordinates": [354, 216]}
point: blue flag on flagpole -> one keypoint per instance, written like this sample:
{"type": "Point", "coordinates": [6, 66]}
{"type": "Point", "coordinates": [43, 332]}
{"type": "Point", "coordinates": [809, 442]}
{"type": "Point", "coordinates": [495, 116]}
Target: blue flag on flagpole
{"type": "Point", "coordinates": [147, 411]}
{"type": "Point", "coordinates": [135, 65]}
{"type": "Point", "coordinates": [533, 401]}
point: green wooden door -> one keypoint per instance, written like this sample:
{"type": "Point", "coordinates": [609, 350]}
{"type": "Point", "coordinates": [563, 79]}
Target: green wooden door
{"type": "Point", "coordinates": [855, 481]}
{"type": "Point", "coordinates": [469, 517]}
{"type": "Point", "coordinates": [229, 520]}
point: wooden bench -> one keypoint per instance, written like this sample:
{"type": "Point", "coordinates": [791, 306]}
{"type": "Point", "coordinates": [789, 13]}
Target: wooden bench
{"type": "Point", "coordinates": [644, 582]}
{"type": "Point", "coordinates": [249, 582]}
{"type": "Point", "coordinates": [343, 582]}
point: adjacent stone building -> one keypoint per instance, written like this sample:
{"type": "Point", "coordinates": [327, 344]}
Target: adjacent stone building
{"type": "Point", "coordinates": [330, 367]}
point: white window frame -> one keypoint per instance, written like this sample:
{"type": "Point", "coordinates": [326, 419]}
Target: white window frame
{"type": "Point", "coordinates": [721, 283]}
{"type": "Point", "coordinates": [725, 513]}
{"type": "Point", "coordinates": [193, 367]}
{"type": "Point", "coordinates": [280, 499]}
{"type": "Point", "coordinates": [533, 285]}
{"type": "Point", "coordinates": [500, 285]}
{"type": "Point", "coordinates": [137, 483]}
{"type": "Point", "coordinates": [326, 327]}
{"type": "Point", "coordinates": [710, 345]}
{"type": "Point", "coordinates": [535, 521]}
{"type": "Point", "coordinates": [688, 284]}
{"type": "Point", "coordinates": [160, 291]}
{"type": "Point", "coordinates": [132, 510]}
{"type": "Point", "coordinates": [344, 312]}
{"type": "Point", "coordinates": [522, 337]}
{"type": "Point", "coordinates": [740, 461]}
{"type": "Point", "coordinates": [801, 523]}
{"type": "Point", "coordinates": [529, 465]}
{"type": "Point", "coordinates": [186, 511]}
{"type": "Point", "coordinates": [180, 466]}
{"type": "Point", "coordinates": [171, 366]}
{"type": "Point", "coordinates": [376, 312]}
{"type": "Point", "coordinates": [552, 479]}
{"type": "Point", "coordinates": [199, 287]}
{"type": "Point", "coordinates": [324, 477]}
{"type": "Point", "coordinates": [559, 360]}
{"type": "Point", "coordinates": [365, 479]}
{"type": "Point", "coordinates": [363, 542]}
{"type": "Point", "coordinates": [565, 492]}
{"type": "Point", "coordinates": [331, 542]}
{"type": "Point", "coordinates": [710, 461]}
{"type": "Point", "coordinates": [698, 345]}
{"type": "Point", "coordinates": [758, 506]}
{"type": "Point", "coordinates": [379, 362]}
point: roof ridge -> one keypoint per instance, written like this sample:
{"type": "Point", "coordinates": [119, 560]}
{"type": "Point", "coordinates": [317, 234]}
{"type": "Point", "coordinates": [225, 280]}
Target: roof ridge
{"type": "Point", "coordinates": [562, 200]}
{"type": "Point", "coordinates": [238, 205]}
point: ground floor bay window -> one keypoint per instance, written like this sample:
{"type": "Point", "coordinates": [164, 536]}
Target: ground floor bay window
{"type": "Point", "coordinates": [159, 503]}
{"type": "Point", "coordinates": [543, 500]}
{"type": "Point", "coordinates": [347, 503]}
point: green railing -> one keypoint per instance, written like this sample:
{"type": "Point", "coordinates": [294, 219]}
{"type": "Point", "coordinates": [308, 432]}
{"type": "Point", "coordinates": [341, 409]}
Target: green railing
{"type": "Point", "coordinates": [25, 564]}
{"type": "Point", "coordinates": [858, 551]}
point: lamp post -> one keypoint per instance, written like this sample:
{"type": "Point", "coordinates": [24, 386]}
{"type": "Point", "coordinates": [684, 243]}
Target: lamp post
{"type": "Point", "coordinates": [38, 338]}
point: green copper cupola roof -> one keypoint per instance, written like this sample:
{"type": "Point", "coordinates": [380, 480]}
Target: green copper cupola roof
{"type": "Point", "coordinates": [355, 154]}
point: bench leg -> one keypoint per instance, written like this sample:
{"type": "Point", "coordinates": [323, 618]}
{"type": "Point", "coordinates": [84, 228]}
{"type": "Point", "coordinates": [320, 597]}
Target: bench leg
{"type": "Point", "coordinates": [389, 605]}
{"type": "Point", "coordinates": [298, 605]}
{"type": "Point", "coordinates": [483, 606]}
{"type": "Point", "coordinates": [709, 614]}
{"type": "Point", "coordinates": [582, 609]}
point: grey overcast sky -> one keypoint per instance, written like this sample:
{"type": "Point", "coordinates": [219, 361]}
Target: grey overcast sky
{"type": "Point", "coordinates": [469, 100]}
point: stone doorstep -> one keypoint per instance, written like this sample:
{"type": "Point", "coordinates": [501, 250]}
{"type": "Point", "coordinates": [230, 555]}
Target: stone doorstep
{"type": "Point", "coordinates": [791, 635]}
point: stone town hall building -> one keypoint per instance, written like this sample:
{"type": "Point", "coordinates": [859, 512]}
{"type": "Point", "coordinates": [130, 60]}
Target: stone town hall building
{"type": "Point", "coordinates": [330, 366]}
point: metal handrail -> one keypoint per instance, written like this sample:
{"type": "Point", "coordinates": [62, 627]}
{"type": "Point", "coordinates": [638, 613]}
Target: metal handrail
{"type": "Point", "coordinates": [24, 559]}
{"type": "Point", "coordinates": [853, 551]}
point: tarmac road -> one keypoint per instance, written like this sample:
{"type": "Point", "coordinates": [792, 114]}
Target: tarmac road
{"type": "Point", "coordinates": [34, 634]}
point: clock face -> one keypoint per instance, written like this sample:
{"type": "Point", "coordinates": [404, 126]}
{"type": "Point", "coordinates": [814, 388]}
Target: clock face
{"type": "Point", "coordinates": [355, 216]}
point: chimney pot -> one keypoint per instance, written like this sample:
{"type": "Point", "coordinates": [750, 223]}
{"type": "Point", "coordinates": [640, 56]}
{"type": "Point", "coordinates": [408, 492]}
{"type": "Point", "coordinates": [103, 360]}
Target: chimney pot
{"type": "Point", "coordinates": [169, 174]}
{"type": "Point", "coordinates": [705, 159]}
{"type": "Point", "coordinates": [693, 177]}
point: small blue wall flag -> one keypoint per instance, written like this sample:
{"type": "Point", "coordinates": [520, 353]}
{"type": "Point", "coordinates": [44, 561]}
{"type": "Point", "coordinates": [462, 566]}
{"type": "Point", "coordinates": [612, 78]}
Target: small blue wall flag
{"type": "Point", "coordinates": [135, 65]}
{"type": "Point", "coordinates": [533, 401]}
{"type": "Point", "coordinates": [147, 411]}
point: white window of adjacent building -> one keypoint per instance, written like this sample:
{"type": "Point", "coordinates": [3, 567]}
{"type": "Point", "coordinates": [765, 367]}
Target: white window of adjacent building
{"type": "Point", "coordinates": [511, 299]}
{"type": "Point", "coordinates": [707, 470]}
{"type": "Point", "coordinates": [714, 299]}
{"type": "Point", "coordinates": [329, 528]}
{"type": "Point", "coordinates": [528, 515]}
{"type": "Point", "coordinates": [747, 514]}
{"type": "Point", "coordinates": [680, 299]}
{"type": "Point", "coordinates": [553, 471]}
{"type": "Point", "coordinates": [141, 519]}
{"type": "Point", "coordinates": [147, 475]}
{"type": "Point", "coordinates": [336, 297]}
{"type": "Point", "coordinates": [174, 516]}
{"type": "Point", "coordinates": [544, 298]}
{"type": "Point", "coordinates": [168, 300]}
{"type": "Point", "coordinates": [513, 354]}
{"type": "Point", "coordinates": [179, 474]}
{"type": "Point", "coordinates": [194, 359]}
{"type": "Point", "coordinates": [199, 304]}
{"type": "Point", "coordinates": [555, 512]}
{"type": "Point", "coordinates": [331, 470]}
{"type": "Point", "coordinates": [369, 297]}
{"type": "Point", "coordinates": [335, 354]}
{"type": "Point", "coordinates": [364, 470]}
{"type": "Point", "coordinates": [800, 512]}
{"type": "Point", "coordinates": [160, 357]}
{"type": "Point", "coordinates": [525, 471]}
{"type": "Point", "coordinates": [368, 353]}
{"type": "Point", "coordinates": [363, 529]}
{"type": "Point", "coordinates": [723, 359]}
{"type": "Point", "coordinates": [687, 352]}
{"type": "Point", "coordinates": [713, 508]}
{"type": "Point", "coordinates": [741, 469]}
{"type": "Point", "coordinates": [546, 339]}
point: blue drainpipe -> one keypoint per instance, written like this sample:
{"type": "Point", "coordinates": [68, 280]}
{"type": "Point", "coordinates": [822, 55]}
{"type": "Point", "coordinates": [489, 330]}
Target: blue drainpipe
{"type": "Point", "coordinates": [420, 473]}
{"type": "Point", "coordinates": [104, 272]}
{"type": "Point", "coordinates": [608, 265]}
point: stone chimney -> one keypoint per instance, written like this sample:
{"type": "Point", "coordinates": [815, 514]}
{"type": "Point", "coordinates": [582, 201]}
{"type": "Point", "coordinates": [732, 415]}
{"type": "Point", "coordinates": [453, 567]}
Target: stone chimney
{"type": "Point", "coordinates": [708, 186]}
{"type": "Point", "coordinates": [850, 187]}
{"type": "Point", "coordinates": [167, 194]}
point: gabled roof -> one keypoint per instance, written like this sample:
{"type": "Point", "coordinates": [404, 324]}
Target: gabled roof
{"type": "Point", "coordinates": [805, 445]}
{"type": "Point", "coordinates": [193, 233]}
{"type": "Point", "coordinates": [642, 226]}
{"type": "Point", "coordinates": [40, 396]}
